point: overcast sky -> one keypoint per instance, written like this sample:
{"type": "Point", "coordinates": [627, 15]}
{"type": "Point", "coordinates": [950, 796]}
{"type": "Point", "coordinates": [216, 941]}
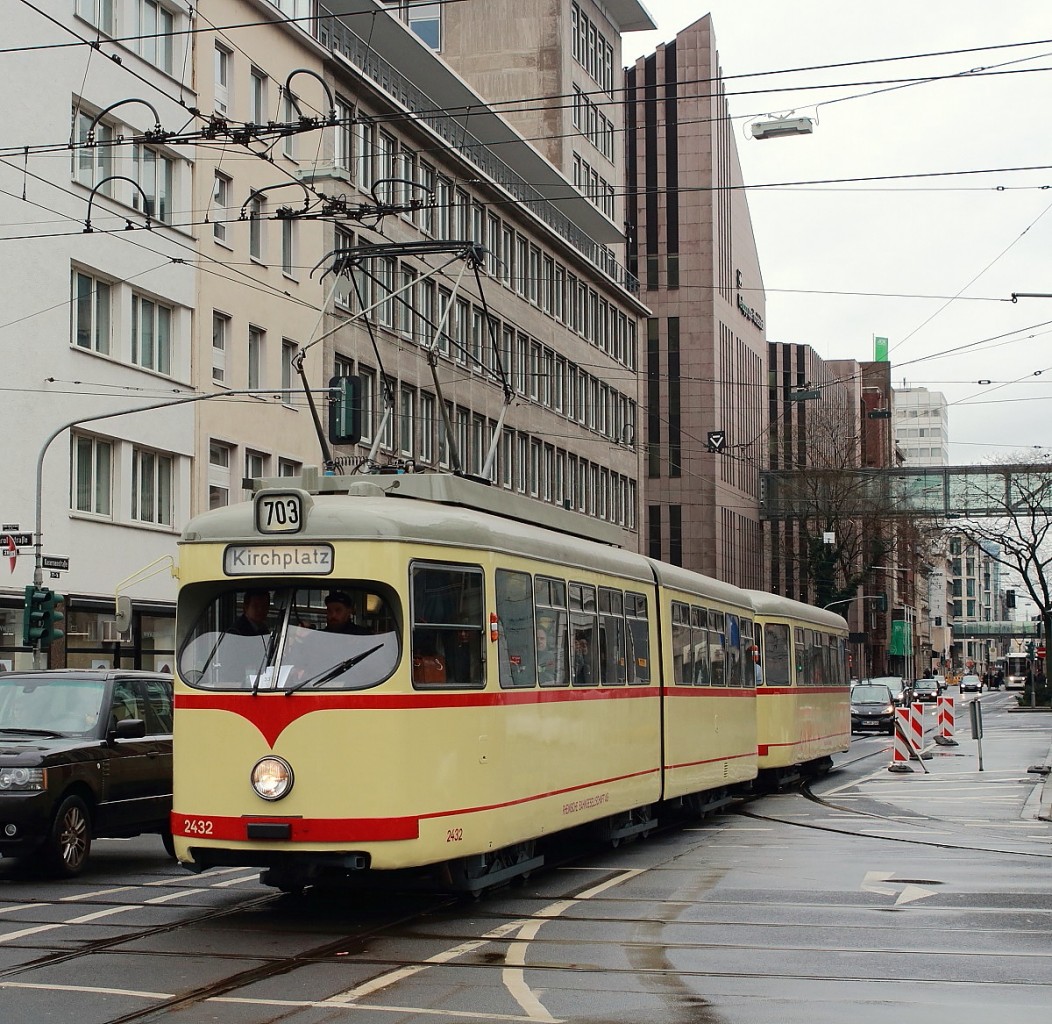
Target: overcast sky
{"type": "Point", "coordinates": [928, 262]}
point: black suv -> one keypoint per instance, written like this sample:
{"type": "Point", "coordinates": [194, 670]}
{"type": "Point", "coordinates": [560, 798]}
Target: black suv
{"type": "Point", "coordinates": [83, 754]}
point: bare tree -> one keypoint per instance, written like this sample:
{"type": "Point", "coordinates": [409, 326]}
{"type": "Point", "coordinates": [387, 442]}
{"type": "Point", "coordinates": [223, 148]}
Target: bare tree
{"type": "Point", "coordinates": [1018, 533]}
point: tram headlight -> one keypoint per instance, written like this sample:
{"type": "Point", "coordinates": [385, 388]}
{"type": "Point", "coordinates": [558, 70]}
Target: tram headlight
{"type": "Point", "coordinates": [272, 778]}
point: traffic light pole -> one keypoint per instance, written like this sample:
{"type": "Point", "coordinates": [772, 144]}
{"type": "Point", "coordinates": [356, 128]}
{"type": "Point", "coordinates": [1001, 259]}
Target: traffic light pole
{"type": "Point", "coordinates": [38, 533]}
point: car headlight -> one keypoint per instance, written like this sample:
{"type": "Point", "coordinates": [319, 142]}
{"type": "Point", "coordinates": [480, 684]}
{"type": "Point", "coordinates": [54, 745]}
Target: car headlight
{"type": "Point", "coordinates": [889, 709]}
{"type": "Point", "coordinates": [22, 780]}
{"type": "Point", "coordinates": [272, 778]}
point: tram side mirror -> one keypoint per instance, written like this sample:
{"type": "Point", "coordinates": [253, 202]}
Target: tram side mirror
{"type": "Point", "coordinates": [123, 614]}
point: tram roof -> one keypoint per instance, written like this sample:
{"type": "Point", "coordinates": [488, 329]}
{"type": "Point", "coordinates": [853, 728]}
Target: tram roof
{"type": "Point", "coordinates": [786, 607]}
{"type": "Point", "coordinates": [441, 509]}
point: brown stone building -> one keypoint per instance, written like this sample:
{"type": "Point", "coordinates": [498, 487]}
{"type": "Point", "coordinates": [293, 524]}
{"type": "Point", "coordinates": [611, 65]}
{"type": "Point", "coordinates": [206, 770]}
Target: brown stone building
{"type": "Point", "coordinates": [691, 245]}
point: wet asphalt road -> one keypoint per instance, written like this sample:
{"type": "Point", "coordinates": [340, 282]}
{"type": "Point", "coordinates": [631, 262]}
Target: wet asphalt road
{"type": "Point", "coordinates": [868, 897]}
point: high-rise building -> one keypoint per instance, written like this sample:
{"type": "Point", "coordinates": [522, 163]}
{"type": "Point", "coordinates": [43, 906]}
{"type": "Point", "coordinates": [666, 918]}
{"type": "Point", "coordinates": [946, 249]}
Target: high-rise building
{"type": "Point", "coordinates": [691, 244]}
{"type": "Point", "coordinates": [921, 425]}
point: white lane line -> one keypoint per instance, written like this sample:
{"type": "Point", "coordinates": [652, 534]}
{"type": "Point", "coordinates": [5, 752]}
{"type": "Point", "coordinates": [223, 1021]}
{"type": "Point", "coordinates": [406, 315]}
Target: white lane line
{"type": "Point", "coordinates": [132, 993]}
{"type": "Point", "coordinates": [254, 877]}
{"type": "Point", "coordinates": [513, 977]}
{"type": "Point", "coordinates": [328, 1005]}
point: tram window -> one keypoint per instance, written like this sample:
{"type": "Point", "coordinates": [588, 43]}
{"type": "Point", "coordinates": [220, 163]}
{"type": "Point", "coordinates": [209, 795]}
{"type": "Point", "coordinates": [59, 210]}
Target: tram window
{"type": "Point", "coordinates": [337, 637]}
{"type": "Point", "coordinates": [515, 629]}
{"type": "Point", "coordinates": [699, 638]}
{"type": "Point", "coordinates": [801, 657]}
{"type": "Point", "coordinates": [733, 675]}
{"type": "Point", "coordinates": [553, 669]}
{"type": "Point", "coordinates": [612, 667]}
{"type": "Point", "coordinates": [447, 627]}
{"type": "Point", "coordinates": [583, 634]}
{"type": "Point", "coordinates": [638, 638]}
{"type": "Point", "coordinates": [750, 670]}
{"type": "Point", "coordinates": [776, 654]}
{"type": "Point", "coordinates": [682, 654]}
{"type": "Point", "coordinates": [717, 674]}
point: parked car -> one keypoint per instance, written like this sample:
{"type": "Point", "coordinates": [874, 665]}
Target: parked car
{"type": "Point", "coordinates": [83, 754]}
{"type": "Point", "coordinates": [971, 684]}
{"type": "Point", "coordinates": [926, 689]}
{"type": "Point", "coordinates": [872, 708]}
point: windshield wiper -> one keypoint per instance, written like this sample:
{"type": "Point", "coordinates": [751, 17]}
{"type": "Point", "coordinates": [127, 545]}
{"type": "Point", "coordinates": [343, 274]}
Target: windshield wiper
{"type": "Point", "coordinates": [331, 673]}
{"type": "Point", "coordinates": [33, 732]}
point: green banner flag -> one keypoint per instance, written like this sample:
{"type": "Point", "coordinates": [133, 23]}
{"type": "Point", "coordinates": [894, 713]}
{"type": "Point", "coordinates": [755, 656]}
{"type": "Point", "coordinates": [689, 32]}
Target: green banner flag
{"type": "Point", "coordinates": [901, 637]}
{"type": "Point", "coordinates": [880, 349]}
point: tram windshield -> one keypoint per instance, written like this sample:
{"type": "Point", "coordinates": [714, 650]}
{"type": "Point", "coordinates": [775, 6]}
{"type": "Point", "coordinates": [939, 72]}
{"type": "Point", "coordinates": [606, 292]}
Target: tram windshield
{"type": "Point", "coordinates": [293, 638]}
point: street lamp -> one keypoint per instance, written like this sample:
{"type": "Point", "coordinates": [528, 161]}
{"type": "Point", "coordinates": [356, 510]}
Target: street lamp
{"type": "Point", "coordinates": [778, 127]}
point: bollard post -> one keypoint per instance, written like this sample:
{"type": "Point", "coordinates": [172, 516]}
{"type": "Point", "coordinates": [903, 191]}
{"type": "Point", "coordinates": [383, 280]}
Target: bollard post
{"type": "Point", "coordinates": [975, 710]}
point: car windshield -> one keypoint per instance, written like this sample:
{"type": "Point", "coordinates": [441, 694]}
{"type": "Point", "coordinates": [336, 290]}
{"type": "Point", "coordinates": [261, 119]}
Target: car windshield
{"type": "Point", "coordinates": [870, 694]}
{"type": "Point", "coordinates": [48, 705]}
{"type": "Point", "coordinates": [294, 638]}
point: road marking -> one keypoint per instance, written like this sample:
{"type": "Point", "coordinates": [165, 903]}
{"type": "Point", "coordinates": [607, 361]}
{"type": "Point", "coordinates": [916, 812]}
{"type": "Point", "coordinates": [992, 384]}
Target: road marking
{"type": "Point", "coordinates": [513, 976]}
{"type": "Point", "coordinates": [425, 1010]}
{"type": "Point", "coordinates": [910, 892]}
{"type": "Point", "coordinates": [132, 993]}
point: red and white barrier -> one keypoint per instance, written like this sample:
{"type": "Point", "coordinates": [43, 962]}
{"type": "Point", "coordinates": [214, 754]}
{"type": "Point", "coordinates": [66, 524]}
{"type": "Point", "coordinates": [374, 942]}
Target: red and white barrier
{"type": "Point", "coordinates": [917, 727]}
{"type": "Point", "coordinates": [945, 723]}
{"type": "Point", "coordinates": [900, 756]}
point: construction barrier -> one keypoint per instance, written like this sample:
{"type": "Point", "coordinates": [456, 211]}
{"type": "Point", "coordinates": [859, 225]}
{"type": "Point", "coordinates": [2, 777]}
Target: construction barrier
{"type": "Point", "coordinates": [917, 727]}
{"type": "Point", "coordinates": [900, 755]}
{"type": "Point", "coordinates": [944, 723]}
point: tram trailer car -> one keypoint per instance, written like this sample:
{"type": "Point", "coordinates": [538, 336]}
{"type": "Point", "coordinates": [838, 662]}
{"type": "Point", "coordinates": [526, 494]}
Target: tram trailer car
{"type": "Point", "coordinates": [803, 704]}
{"type": "Point", "coordinates": [497, 682]}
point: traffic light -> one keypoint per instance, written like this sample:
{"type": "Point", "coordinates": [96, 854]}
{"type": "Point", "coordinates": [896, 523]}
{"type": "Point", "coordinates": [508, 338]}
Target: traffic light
{"type": "Point", "coordinates": [40, 617]}
{"type": "Point", "coordinates": [345, 410]}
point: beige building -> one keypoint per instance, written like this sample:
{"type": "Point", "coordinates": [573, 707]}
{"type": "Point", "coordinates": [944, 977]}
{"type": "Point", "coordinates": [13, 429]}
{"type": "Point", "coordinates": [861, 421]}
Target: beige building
{"type": "Point", "coordinates": [706, 356]}
{"type": "Point", "coordinates": [413, 177]}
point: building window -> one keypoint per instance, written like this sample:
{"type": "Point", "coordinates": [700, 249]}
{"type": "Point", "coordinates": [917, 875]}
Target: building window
{"type": "Point", "coordinates": [256, 346]}
{"type": "Point", "coordinates": [255, 228]}
{"type": "Point", "coordinates": [156, 25]}
{"type": "Point", "coordinates": [91, 313]}
{"type": "Point", "coordinates": [220, 333]}
{"type": "Point", "coordinates": [218, 474]}
{"type": "Point", "coordinates": [288, 246]}
{"type": "Point", "coordinates": [259, 96]}
{"type": "Point", "coordinates": [92, 475]}
{"type": "Point", "coordinates": [288, 354]}
{"type": "Point", "coordinates": [222, 79]}
{"type": "Point", "coordinates": [93, 160]}
{"type": "Point", "coordinates": [151, 334]}
{"type": "Point", "coordinates": [289, 467]}
{"type": "Point", "coordinates": [154, 172]}
{"type": "Point", "coordinates": [406, 401]}
{"type": "Point", "coordinates": [343, 148]}
{"type": "Point", "coordinates": [98, 12]}
{"type": "Point", "coordinates": [255, 467]}
{"type": "Point", "coordinates": [427, 427]}
{"type": "Point", "coordinates": [220, 206]}
{"type": "Point", "coordinates": [151, 490]}
{"type": "Point", "coordinates": [291, 117]}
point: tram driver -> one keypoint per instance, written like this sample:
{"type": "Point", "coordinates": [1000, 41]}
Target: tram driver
{"type": "Point", "coordinates": [255, 607]}
{"type": "Point", "coordinates": [339, 615]}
